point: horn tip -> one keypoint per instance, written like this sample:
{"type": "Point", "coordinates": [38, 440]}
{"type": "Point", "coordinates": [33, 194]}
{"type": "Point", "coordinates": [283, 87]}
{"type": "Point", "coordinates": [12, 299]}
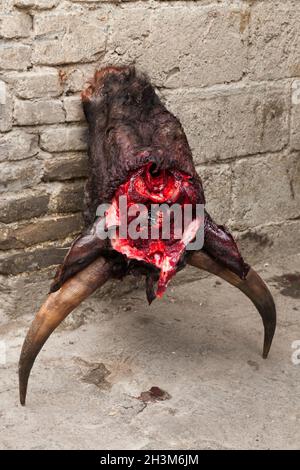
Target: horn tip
{"type": "Point", "coordinates": [266, 350]}
{"type": "Point", "coordinates": [23, 397]}
{"type": "Point", "coordinates": [268, 342]}
{"type": "Point", "coordinates": [23, 382]}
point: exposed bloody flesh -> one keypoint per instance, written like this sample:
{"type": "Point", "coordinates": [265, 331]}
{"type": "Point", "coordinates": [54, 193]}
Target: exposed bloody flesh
{"type": "Point", "coordinates": [151, 188]}
{"type": "Point", "coordinates": [138, 149]}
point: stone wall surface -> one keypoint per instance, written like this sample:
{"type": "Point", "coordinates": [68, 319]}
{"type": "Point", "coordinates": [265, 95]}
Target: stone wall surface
{"type": "Point", "coordinates": [229, 69]}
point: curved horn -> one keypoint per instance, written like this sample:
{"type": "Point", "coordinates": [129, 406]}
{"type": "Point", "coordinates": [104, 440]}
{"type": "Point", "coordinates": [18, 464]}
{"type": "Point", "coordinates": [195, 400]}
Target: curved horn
{"type": "Point", "coordinates": [253, 286]}
{"type": "Point", "coordinates": [54, 310]}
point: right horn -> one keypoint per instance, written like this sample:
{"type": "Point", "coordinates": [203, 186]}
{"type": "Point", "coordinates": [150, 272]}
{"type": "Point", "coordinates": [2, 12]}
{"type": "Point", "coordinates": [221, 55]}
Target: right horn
{"type": "Point", "coordinates": [252, 286]}
{"type": "Point", "coordinates": [54, 310]}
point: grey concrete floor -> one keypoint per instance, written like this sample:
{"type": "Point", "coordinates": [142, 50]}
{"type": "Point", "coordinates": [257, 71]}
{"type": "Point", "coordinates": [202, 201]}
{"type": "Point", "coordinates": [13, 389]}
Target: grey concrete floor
{"type": "Point", "coordinates": [201, 344]}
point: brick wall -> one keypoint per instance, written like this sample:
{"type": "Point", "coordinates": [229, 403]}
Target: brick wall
{"type": "Point", "coordinates": [228, 69]}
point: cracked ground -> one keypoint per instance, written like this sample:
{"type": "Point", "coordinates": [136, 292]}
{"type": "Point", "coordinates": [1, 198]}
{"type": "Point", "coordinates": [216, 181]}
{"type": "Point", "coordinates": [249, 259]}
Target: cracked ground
{"type": "Point", "coordinates": [199, 347]}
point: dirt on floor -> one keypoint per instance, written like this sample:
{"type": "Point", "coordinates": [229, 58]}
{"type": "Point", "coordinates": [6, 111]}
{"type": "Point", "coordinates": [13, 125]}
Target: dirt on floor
{"type": "Point", "coordinates": [184, 373]}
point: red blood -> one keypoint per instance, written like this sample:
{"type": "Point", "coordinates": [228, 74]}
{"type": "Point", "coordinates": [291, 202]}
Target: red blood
{"type": "Point", "coordinates": [149, 186]}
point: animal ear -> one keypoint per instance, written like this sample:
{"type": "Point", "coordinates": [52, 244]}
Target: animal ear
{"type": "Point", "coordinates": [84, 250]}
{"type": "Point", "coordinates": [220, 245]}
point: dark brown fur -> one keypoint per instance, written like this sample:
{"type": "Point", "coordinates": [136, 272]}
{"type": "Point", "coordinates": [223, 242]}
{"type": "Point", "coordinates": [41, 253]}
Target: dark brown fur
{"type": "Point", "coordinates": [129, 127]}
{"type": "Point", "coordinates": [126, 119]}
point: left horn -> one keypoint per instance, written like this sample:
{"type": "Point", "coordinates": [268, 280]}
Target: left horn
{"type": "Point", "coordinates": [252, 286]}
{"type": "Point", "coordinates": [54, 310]}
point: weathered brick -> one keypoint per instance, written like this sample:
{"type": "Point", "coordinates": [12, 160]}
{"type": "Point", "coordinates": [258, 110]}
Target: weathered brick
{"type": "Point", "coordinates": [73, 108]}
{"type": "Point", "coordinates": [40, 230]}
{"type": "Point", "coordinates": [34, 284]}
{"type": "Point", "coordinates": [77, 76]}
{"type": "Point", "coordinates": [6, 108]}
{"type": "Point", "coordinates": [293, 171]}
{"type": "Point", "coordinates": [217, 189]}
{"type": "Point", "coordinates": [15, 56]}
{"type": "Point", "coordinates": [15, 25]}
{"type": "Point", "coordinates": [68, 38]}
{"type": "Point", "coordinates": [36, 84]}
{"type": "Point", "coordinates": [38, 112]}
{"type": "Point", "coordinates": [233, 120]}
{"type": "Point", "coordinates": [17, 175]}
{"type": "Point", "coordinates": [265, 189]}
{"type": "Point", "coordinates": [5, 235]}
{"type": "Point", "coordinates": [129, 29]}
{"type": "Point", "coordinates": [31, 260]}
{"type": "Point", "coordinates": [36, 4]}
{"type": "Point", "coordinates": [18, 145]}
{"type": "Point", "coordinates": [24, 205]}
{"type": "Point", "coordinates": [182, 47]}
{"type": "Point", "coordinates": [67, 198]}
{"type": "Point", "coordinates": [65, 166]}
{"type": "Point", "coordinates": [266, 241]}
{"type": "Point", "coordinates": [64, 139]}
{"type": "Point", "coordinates": [274, 41]}
{"type": "Point", "coordinates": [295, 116]}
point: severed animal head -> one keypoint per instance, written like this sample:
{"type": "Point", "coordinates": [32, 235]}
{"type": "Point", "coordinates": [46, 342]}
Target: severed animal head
{"type": "Point", "coordinates": [138, 151]}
